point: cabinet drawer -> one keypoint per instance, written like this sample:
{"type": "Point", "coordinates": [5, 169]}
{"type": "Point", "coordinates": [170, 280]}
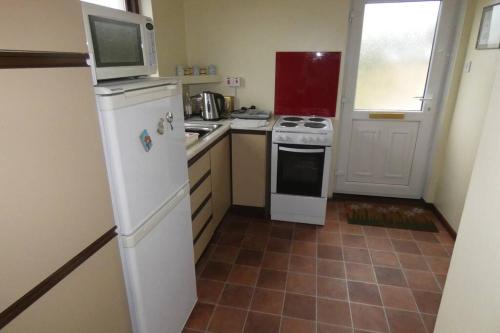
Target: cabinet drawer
{"type": "Point", "coordinates": [198, 169]}
{"type": "Point", "coordinates": [202, 242]}
{"type": "Point", "coordinates": [201, 193]}
{"type": "Point", "coordinates": [202, 215]}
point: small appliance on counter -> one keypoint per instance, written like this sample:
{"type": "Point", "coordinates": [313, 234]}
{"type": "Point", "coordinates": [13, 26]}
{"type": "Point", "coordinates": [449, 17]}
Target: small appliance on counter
{"type": "Point", "coordinates": [209, 105]}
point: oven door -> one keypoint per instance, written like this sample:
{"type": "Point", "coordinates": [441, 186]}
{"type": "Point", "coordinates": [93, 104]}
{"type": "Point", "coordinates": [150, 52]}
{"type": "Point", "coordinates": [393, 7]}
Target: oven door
{"type": "Point", "coordinates": [300, 170]}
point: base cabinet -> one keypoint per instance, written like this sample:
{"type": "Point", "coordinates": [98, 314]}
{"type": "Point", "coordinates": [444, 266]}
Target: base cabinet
{"type": "Point", "coordinates": [210, 183]}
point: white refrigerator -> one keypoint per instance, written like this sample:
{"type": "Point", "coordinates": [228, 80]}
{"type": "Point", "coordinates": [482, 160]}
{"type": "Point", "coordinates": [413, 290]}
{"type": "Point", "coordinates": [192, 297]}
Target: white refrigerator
{"type": "Point", "coordinates": [142, 126]}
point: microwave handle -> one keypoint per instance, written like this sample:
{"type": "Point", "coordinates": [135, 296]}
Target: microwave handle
{"type": "Point", "coordinates": [91, 63]}
{"type": "Point", "coordinates": [307, 151]}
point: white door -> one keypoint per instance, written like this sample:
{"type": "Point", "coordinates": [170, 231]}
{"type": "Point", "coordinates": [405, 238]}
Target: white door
{"type": "Point", "coordinates": [396, 61]}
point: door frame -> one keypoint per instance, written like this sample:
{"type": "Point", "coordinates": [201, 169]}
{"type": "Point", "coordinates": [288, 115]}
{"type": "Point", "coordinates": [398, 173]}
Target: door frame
{"type": "Point", "coordinates": [443, 50]}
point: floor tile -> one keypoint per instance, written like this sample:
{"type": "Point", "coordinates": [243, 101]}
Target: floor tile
{"type": "Point", "coordinates": [432, 249]}
{"type": "Point", "coordinates": [272, 279]}
{"type": "Point", "coordinates": [270, 301]}
{"type": "Point", "coordinates": [224, 253]}
{"type": "Point", "coordinates": [438, 265]}
{"type": "Point", "coordinates": [276, 261]}
{"type": "Point", "coordinates": [243, 275]}
{"type": "Point", "coordinates": [300, 306]}
{"type": "Point", "coordinates": [429, 322]}
{"type": "Point", "coordinates": [326, 328]}
{"type": "Point", "coordinates": [227, 320]}
{"type": "Point", "coordinates": [351, 229]}
{"type": "Point", "coordinates": [236, 226]}
{"type": "Point", "coordinates": [405, 246]}
{"type": "Point", "coordinates": [332, 288]}
{"type": "Point", "coordinates": [366, 293]}
{"type": "Point", "coordinates": [421, 280]}
{"type": "Point", "coordinates": [361, 256]}
{"type": "Point", "coordinates": [398, 298]}
{"type": "Point", "coordinates": [304, 248]}
{"type": "Point", "coordinates": [427, 302]}
{"type": "Point", "coordinates": [367, 317]}
{"type": "Point", "coordinates": [375, 231]}
{"type": "Point", "coordinates": [279, 245]}
{"type": "Point", "coordinates": [249, 257]}
{"type": "Point", "coordinates": [262, 323]}
{"type": "Point", "coordinates": [306, 235]}
{"type": "Point", "coordinates": [360, 272]}
{"type": "Point", "coordinates": [329, 252]}
{"type": "Point", "coordinates": [404, 322]}
{"type": "Point", "coordinates": [424, 236]}
{"type": "Point", "coordinates": [216, 271]}
{"type": "Point", "coordinates": [377, 243]}
{"type": "Point", "coordinates": [200, 316]}
{"type": "Point", "coordinates": [390, 276]}
{"type": "Point", "coordinates": [255, 242]}
{"type": "Point", "coordinates": [282, 232]}
{"type": "Point", "coordinates": [262, 229]}
{"type": "Point", "coordinates": [236, 296]}
{"type": "Point", "coordinates": [353, 240]}
{"type": "Point", "coordinates": [329, 238]}
{"type": "Point", "coordinates": [411, 261]}
{"type": "Point", "coordinates": [294, 325]}
{"type": "Point", "coordinates": [301, 284]}
{"type": "Point", "coordinates": [208, 290]}
{"type": "Point", "coordinates": [302, 264]}
{"type": "Point", "coordinates": [441, 279]}
{"type": "Point", "coordinates": [383, 258]}
{"type": "Point", "coordinates": [334, 312]}
{"type": "Point", "coordinates": [331, 268]}
{"type": "Point", "coordinates": [399, 234]}
{"type": "Point", "coordinates": [231, 239]}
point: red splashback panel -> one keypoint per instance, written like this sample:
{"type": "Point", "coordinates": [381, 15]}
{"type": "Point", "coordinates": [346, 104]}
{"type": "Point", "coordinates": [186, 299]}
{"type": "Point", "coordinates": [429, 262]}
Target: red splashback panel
{"type": "Point", "coordinates": [306, 83]}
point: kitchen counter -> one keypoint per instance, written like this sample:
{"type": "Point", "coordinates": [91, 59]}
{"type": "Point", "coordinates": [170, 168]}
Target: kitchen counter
{"type": "Point", "coordinates": [227, 124]}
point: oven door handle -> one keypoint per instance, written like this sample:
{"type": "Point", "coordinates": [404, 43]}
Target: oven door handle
{"type": "Point", "coordinates": [307, 151]}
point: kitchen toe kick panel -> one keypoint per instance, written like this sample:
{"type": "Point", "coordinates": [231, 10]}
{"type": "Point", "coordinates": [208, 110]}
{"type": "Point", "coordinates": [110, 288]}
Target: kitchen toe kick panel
{"type": "Point", "coordinates": [300, 209]}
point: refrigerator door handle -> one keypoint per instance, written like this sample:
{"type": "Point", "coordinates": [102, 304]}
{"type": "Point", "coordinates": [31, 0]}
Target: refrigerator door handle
{"type": "Point", "coordinates": [133, 239]}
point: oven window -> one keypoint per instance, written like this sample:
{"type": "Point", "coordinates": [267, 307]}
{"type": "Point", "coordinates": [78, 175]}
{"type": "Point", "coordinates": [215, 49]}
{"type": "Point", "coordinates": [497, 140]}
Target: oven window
{"type": "Point", "coordinates": [116, 43]}
{"type": "Point", "coordinates": [300, 170]}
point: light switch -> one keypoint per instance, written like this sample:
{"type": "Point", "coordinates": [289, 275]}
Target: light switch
{"type": "Point", "coordinates": [467, 66]}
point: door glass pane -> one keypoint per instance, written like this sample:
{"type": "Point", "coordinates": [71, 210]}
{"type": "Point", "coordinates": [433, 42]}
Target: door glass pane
{"type": "Point", "coordinates": [396, 47]}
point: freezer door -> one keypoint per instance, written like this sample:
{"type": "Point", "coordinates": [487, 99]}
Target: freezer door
{"type": "Point", "coordinates": [142, 180]}
{"type": "Point", "coordinates": [159, 273]}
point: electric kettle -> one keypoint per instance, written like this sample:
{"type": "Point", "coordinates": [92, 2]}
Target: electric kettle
{"type": "Point", "coordinates": [212, 105]}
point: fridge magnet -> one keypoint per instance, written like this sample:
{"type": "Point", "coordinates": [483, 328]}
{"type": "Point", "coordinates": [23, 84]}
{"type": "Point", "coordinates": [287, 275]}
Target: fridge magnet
{"type": "Point", "coordinates": [146, 141]}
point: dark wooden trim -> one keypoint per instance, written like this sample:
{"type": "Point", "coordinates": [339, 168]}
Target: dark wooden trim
{"type": "Point", "coordinates": [248, 211]}
{"type": "Point", "coordinates": [132, 6]}
{"type": "Point", "coordinates": [205, 225]}
{"type": "Point", "coordinates": [244, 131]}
{"type": "Point", "coordinates": [52, 280]}
{"type": "Point", "coordinates": [401, 201]}
{"type": "Point", "coordinates": [202, 179]}
{"type": "Point", "coordinates": [196, 157]}
{"type": "Point", "coordinates": [203, 203]}
{"type": "Point", "coordinates": [27, 59]}
{"type": "Point", "coordinates": [443, 221]}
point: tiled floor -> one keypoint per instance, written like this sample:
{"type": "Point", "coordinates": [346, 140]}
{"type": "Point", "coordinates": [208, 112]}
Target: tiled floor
{"type": "Point", "coordinates": [263, 277]}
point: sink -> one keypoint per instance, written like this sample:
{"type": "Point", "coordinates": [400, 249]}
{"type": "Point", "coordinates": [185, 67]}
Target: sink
{"type": "Point", "coordinates": [201, 129]}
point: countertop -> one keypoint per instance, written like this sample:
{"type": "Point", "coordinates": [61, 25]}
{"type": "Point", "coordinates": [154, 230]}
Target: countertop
{"type": "Point", "coordinates": [226, 126]}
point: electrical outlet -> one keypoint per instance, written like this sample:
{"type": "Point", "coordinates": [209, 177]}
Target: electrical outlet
{"type": "Point", "coordinates": [232, 81]}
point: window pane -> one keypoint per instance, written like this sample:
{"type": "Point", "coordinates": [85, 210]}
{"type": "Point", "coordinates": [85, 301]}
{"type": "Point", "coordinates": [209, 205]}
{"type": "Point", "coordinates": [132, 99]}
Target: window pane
{"type": "Point", "coordinates": [118, 4]}
{"type": "Point", "coordinates": [396, 47]}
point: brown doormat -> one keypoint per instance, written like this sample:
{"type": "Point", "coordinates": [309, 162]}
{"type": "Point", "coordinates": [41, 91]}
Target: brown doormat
{"type": "Point", "coordinates": [390, 216]}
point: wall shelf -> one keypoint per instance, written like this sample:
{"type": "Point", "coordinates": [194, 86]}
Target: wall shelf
{"type": "Point", "coordinates": [199, 79]}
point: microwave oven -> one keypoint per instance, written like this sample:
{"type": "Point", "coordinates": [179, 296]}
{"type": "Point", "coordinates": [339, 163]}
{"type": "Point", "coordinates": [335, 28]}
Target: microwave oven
{"type": "Point", "coordinates": [120, 44]}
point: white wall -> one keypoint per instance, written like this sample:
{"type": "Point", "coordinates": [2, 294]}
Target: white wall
{"type": "Point", "coordinates": [466, 126]}
{"type": "Point", "coordinates": [241, 38]}
{"type": "Point", "coordinates": [471, 299]}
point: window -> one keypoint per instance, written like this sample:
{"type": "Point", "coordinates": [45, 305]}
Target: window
{"type": "Point", "coordinates": [117, 4]}
{"type": "Point", "coordinates": [396, 47]}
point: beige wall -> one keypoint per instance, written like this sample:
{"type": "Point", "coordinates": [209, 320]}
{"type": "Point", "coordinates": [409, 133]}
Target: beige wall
{"type": "Point", "coordinates": [466, 126]}
{"type": "Point", "coordinates": [471, 301]}
{"type": "Point", "coordinates": [241, 38]}
{"type": "Point", "coordinates": [168, 16]}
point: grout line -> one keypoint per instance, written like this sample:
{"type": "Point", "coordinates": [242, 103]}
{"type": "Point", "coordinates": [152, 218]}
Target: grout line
{"type": "Point", "coordinates": [380, 294]}
{"type": "Point", "coordinates": [286, 281]}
